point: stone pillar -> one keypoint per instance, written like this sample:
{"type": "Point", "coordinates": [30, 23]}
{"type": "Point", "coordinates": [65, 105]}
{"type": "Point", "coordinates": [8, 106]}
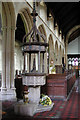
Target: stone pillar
{"type": "Point", "coordinates": [3, 85]}
{"type": "Point", "coordinates": [8, 57]}
{"type": "Point", "coordinates": [66, 59]}
{"type": "Point", "coordinates": [43, 64]}
{"type": "Point", "coordinates": [12, 59]}
{"type": "Point", "coordinates": [30, 62]}
{"type": "Point", "coordinates": [7, 88]}
{"type": "Point", "coordinates": [26, 62]}
{"type": "Point", "coordinates": [39, 62]}
{"type": "Point", "coordinates": [34, 94]}
{"type": "Point", "coordinates": [36, 62]}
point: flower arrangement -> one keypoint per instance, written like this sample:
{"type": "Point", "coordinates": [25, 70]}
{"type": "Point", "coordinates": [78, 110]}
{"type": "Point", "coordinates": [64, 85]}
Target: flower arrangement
{"type": "Point", "coordinates": [45, 100]}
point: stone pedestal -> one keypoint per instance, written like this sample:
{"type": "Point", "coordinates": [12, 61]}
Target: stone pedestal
{"type": "Point", "coordinates": [25, 109]}
{"type": "Point", "coordinates": [34, 94]}
{"type": "Point", "coordinates": [30, 109]}
{"type": "Point", "coordinates": [34, 82]}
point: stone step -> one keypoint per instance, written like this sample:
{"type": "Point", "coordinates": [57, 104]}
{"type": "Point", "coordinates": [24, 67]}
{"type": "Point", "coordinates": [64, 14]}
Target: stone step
{"type": "Point", "coordinates": [42, 108]}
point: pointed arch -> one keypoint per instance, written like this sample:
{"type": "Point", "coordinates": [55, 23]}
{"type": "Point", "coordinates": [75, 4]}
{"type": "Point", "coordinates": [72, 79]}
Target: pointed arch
{"type": "Point", "coordinates": [71, 31]}
{"type": "Point", "coordinates": [42, 29]}
{"type": "Point", "coordinates": [60, 50]}
{"type": "Point", "coordinates": [51, 45]}
{"type": "Point", "coordinates": [27, 19]}
{"type": "Point", "coordinates": [8, 12]}
{"type": "Point", "coordinates": [56, 47]}
{"type": "Point", "coordinates": [60, 54]}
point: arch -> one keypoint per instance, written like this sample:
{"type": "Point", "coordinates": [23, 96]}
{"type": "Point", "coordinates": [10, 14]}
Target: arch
{"type": "Point", "coordinates": [51, 53]}
{"type": "Point", "coordinates": [27, 24]}
{"type": "Point", "coordinates": [51, 46]}
{"type": "Point", "coordinates": [42, 30]}
{"type": "Point", "coordinates": [20, 31]}
{"type": "Point", "coordinates": [27, 19]}
{"type": "Point", "coordinates": [9, 13]}
{"type": "Point", "coordinates": [27, 28]}
{"type": "Point", "coordinates": [60, 50]}
{"type": "Point", "coordinates": [56, 52]}
{"type": "Point", "coordinates": [71, 31]}
{"type": "Point", "coordinates": [60, 55]}
{"type": "Point", "coordinates": [56, 48]}
{"type": "Point", "coordinates": [66, 44]}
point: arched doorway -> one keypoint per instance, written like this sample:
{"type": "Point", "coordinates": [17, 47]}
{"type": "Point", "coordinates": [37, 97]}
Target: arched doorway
{"type": "Point", "coordinates": [19, 34]}
{"type": "Point", "coordinates": [24, 25]}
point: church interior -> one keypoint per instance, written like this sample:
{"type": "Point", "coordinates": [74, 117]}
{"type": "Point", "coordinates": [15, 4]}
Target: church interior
{"type": "Point", "coordinates": [39, 60]}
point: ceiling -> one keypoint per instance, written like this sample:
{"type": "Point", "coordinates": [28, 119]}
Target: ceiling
{"type": "Point", "coordinates": [74, 35]}
{"type": "Point", "coordinates": [67, 15]}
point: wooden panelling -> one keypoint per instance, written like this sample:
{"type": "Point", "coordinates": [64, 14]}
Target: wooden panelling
{"type": "Point", "coordinates": [59, 85]}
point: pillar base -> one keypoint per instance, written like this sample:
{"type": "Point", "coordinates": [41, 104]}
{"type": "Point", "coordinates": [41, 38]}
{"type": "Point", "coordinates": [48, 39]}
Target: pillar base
{"type": "Point", "coordinates": [34, 94]}
{"type": "Point", "coordinates": [30, 109]}
{"type": "Point", "coordinates": [8, 94]}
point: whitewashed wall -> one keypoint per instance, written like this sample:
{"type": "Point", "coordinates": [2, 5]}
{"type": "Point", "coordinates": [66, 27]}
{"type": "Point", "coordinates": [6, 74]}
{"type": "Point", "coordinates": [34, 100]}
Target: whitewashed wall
{"type": "Point", "coordinates": [74, 46]}
{"type": "Point", "coordinates": [18, 57]}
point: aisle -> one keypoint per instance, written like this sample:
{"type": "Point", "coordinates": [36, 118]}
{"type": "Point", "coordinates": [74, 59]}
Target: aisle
{"type": "Point", "coordinates": [61, 109]}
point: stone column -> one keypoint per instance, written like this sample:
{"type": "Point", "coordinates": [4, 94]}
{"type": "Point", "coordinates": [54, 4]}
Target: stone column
{"type": "Point", "coordinates": [36, 62]}
{"type": "Point", "coordinates": [4, 36]}
{"type": "Point", "coordinates": [8, 57]}
{"type": "Point", "coordinates": [39, 62]}
{"type": "Point", "coordinates": [29, 62]}
{"type": "Point", "coordinates": [26, 62]}
{"type": "Point", "coordinates": [66, 59]}
{"type": "Point", "coordinates": [43, 64]}
{"type": "Point", "coordinates": [8, 89]}
{"type": "Point", "coordinates": [12, 59]}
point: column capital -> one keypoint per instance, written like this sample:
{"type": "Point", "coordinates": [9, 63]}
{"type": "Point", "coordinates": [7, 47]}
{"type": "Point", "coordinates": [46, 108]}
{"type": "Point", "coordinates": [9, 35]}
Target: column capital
{"type": "Point", "coordinates": [6, 27]}
{"type": "Point", "coordinates": [13, 28]}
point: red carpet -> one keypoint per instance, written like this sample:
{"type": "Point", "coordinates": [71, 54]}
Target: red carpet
{"type": "Point", "coordinates": [63, 109]}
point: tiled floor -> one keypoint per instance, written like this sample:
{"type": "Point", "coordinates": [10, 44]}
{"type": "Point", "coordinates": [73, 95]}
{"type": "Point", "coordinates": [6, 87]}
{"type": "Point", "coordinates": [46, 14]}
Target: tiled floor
{"type": "Point", "coordinates": [61, 110]}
